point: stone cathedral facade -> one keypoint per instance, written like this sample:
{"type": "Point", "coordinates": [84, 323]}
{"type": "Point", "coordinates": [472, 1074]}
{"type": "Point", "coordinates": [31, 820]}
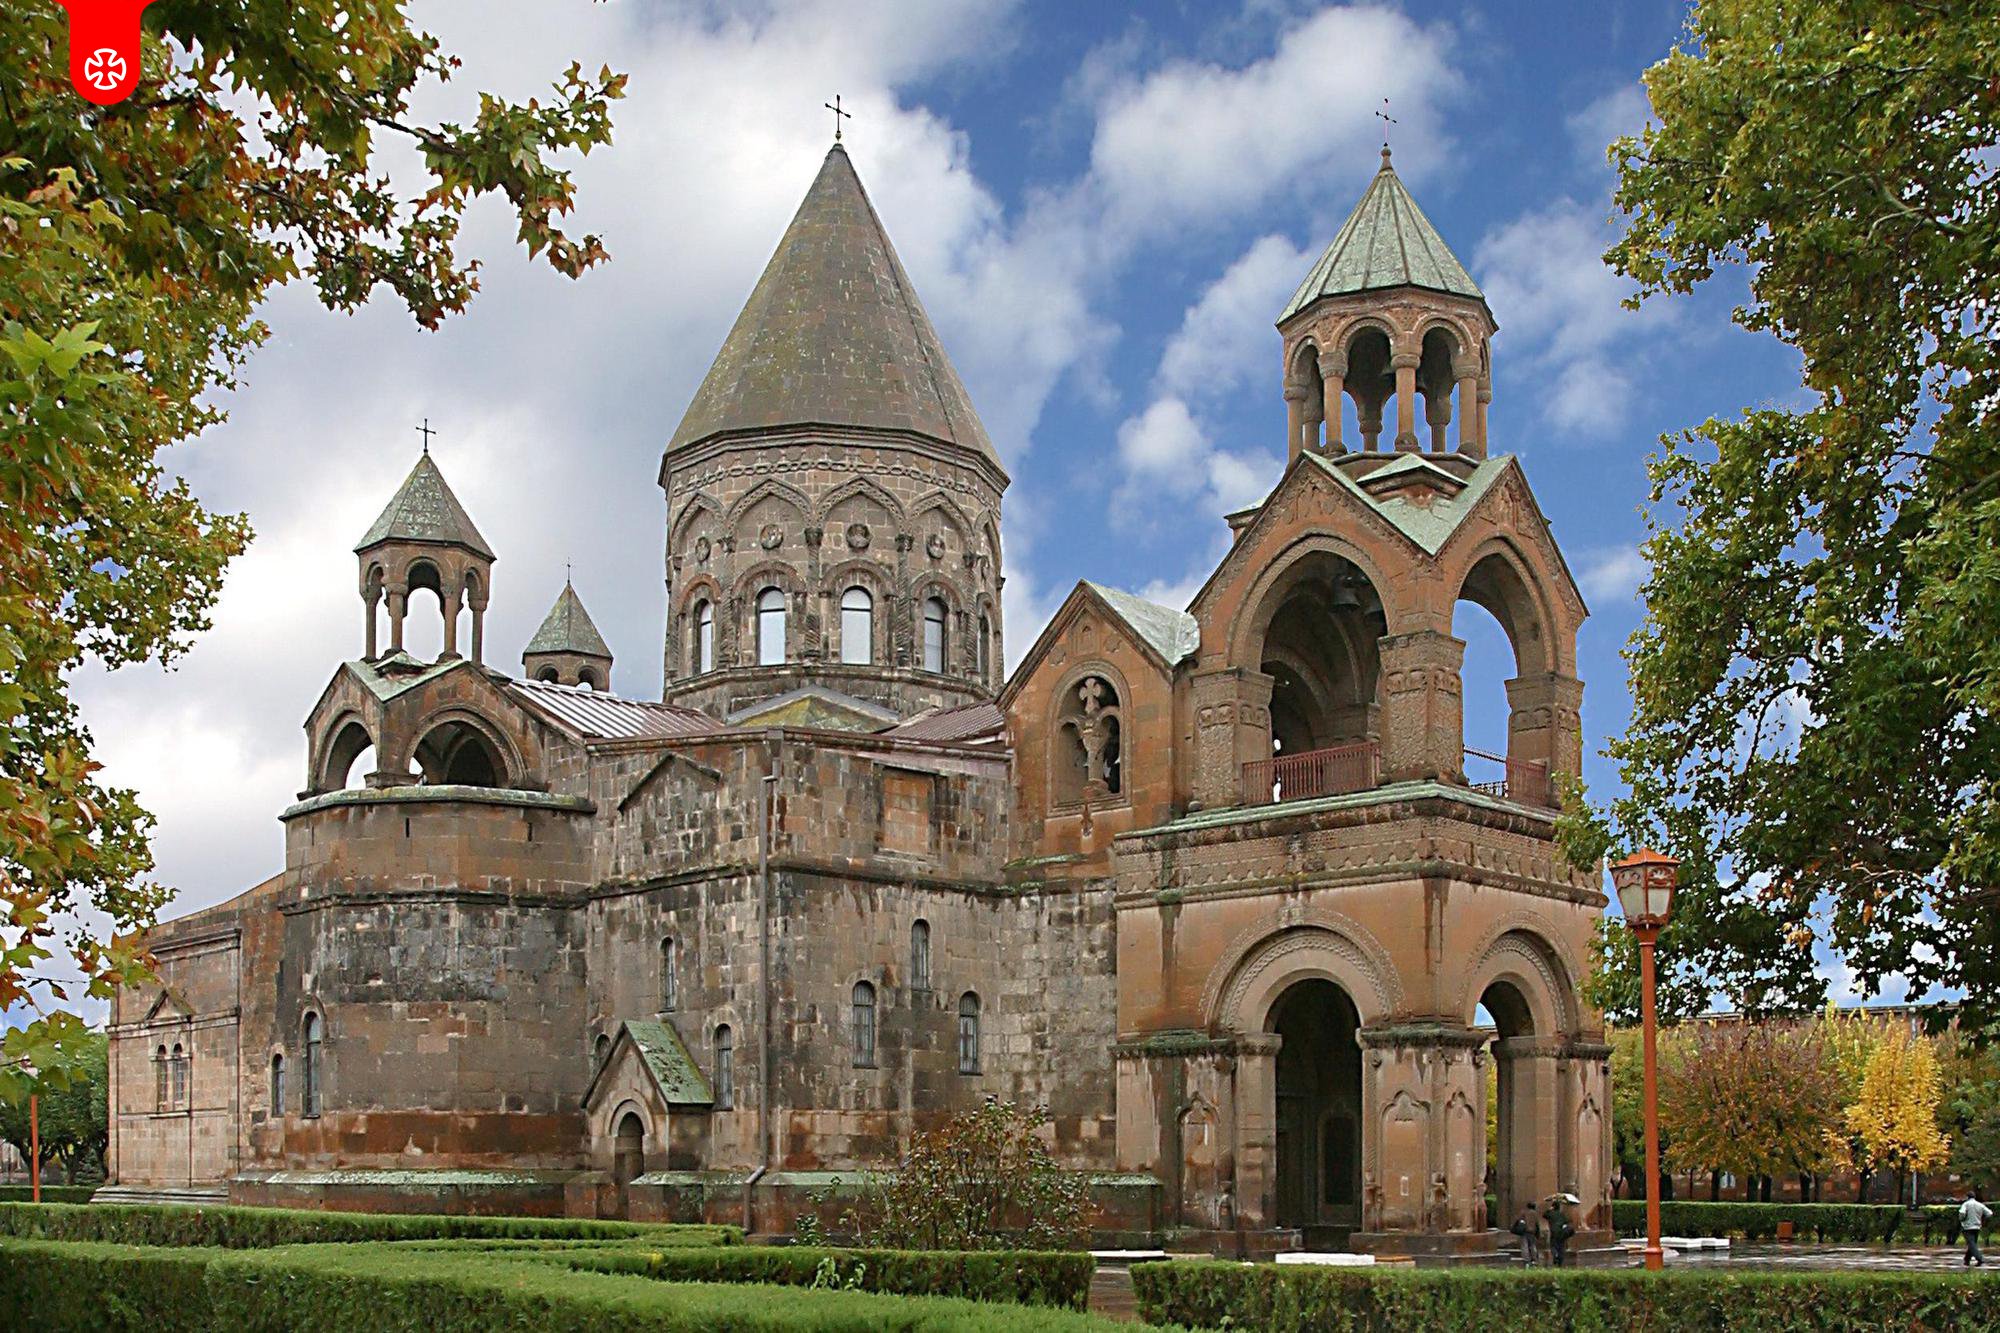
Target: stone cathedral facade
{"type": "Point", "coordinates": [1219, 886]}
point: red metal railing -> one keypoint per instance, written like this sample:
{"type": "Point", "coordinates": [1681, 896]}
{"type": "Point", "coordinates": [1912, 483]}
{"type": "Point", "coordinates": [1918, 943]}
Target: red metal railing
{"type": "Point", "coordinates": [1523, 781]}
{"type": "Point", "coordinates": [1295, 777]}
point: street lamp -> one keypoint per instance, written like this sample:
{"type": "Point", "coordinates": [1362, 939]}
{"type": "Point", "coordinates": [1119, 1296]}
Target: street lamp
{"type": "Point", "coordinates": [1645, 882]}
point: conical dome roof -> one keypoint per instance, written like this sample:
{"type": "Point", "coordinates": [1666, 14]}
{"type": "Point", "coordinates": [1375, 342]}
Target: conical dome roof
{"type": "Point", "coordinates": [568, 628]}
{"type": "Point", "coordinates": [425, 510]}
{"type": "Point", "coordinates": [834, 335]}
{"type": "Point", "coordinates": [1385, 242]}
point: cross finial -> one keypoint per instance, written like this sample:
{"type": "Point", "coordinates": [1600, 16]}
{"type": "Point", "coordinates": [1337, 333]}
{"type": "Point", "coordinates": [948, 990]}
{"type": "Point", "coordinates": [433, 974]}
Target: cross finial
{"type": "Point", "coordinates": [838, 115]}
{"type": "Point", "coordinates": [426, 431]}
{"type": "Point", "coordinates": [566, 582]}
{"type": "Point", "coordinates": [1387, 120]}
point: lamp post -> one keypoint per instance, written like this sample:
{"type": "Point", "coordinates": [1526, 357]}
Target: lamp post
{"type": "Point", "coordinates": [1645, 881]}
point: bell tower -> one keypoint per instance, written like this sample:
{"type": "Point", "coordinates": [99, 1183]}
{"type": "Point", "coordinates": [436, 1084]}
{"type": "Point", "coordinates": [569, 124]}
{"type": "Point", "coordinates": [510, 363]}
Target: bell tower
{"type": "Point", "coordinates": [1388, 314]}
{"type": "Point", "coordinates": [425, 539]}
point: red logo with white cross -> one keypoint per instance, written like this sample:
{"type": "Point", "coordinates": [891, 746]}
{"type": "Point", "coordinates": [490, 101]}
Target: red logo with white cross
{"type": "Point", "coordinates": [104, 47]}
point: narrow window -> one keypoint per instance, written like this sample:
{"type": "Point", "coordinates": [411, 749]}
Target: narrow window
{"type": "Point", "coordinates": [602, 1051]}
{"type": "Point", "coordinates": [704, 636]}
{"type": "Point", "coordinates": [587, 680]}
{"type": "Point", "coordinates": [670, 975]}
{"type": "Point", "coordinates": [771, 627]}
{"type": "Point", "coordinates": [857, 627]}
{"type": "Point", "coordinates": [864, 1024]}
{"type": "Point", "coordinates": [920, 954]}
{"type": "Point", "coordinates": [725, 1068]}
{"type": "Point", "coordinates": [934, 644]}
{"type": "Point", "coordinates": [968, 1033]}
{"type": "Point", "coordinates": [179, 1070]}
{"type": "Point", "coordinates": [985, 649]}
{"type": "Point", "coordinates": [160, 1079]}
{"type": "Point", "coordinates": [277, 1086]}
{"type": "Point", "coordinates": [311, 1093]}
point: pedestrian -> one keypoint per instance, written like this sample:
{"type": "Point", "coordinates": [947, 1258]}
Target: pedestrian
{"type": "Point", "coordinates": [1528, 1227]}
{"type": "Point", "coordinates": [1972, 1215]}
{"type": "Point", "coordinates": [1560, 1231]}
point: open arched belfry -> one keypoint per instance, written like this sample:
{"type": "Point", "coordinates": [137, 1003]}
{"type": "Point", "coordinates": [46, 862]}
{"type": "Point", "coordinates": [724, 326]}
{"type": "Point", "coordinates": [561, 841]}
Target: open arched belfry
{"type": "Point", "coordinates": [1220, 887]}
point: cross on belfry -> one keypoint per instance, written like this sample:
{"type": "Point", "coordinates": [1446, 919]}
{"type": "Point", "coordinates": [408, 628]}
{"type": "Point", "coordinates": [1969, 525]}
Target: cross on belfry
{"type": "Point", "coordinates": [1386, 119]}
{"type": "Point", "coordinates": [426, 431]}
{"type": "Point", "coordinates": [838, 115]}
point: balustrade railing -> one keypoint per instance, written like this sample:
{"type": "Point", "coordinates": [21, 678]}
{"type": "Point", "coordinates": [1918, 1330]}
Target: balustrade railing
{"type": "Point", "coordinates": [1523, 781]}
{"type": "Point", "coordinates": [1296, 777]}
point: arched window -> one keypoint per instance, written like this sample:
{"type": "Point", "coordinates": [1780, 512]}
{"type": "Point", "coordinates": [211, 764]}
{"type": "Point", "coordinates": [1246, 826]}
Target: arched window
{"type": "Point", "coordinates": [310, 1094]}
{"type": "Point", "coordinates": [920, 954]}
{"type": "Point", "coordinates": [968, 1033]}
{"type": "Point", "coordinates": [985, 648]}
{"type": "Point", "coordinates": [704, 636]}
{"type": "Point", "coordinates": [670, 975]}
{"type": "Point", "coordinates": [277, 1086]}
{"type": "Point", "coordinates": [160, 1079]}
{"type": "Point", "coordinates": [602, 1050]}
{"type": "Point", "coordinates": [725, 1068]}
{"type": "Point", "coordinates": [857, 627]}
{"type": "Point", "coordinates": [771, 627]}
{"type": "Point", "coordinates": [587, 679]}
{"type": "Point", "coordinates": [547, 675]}
{"type": "Point", "coordinates": [864, 1025]}
{"type": "Point", "coordinates": [179, 1071]}
{"type": "Point", "coordinates": [934, 636]}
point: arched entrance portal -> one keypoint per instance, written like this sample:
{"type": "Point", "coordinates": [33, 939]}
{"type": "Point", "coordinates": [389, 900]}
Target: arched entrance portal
{"type": "Point", "coordinates": [628, 1156]}
{"type": "Point", "coordinates": [1519, 1121]}
{"type": "Point", "coordinates": [1319, 1111]}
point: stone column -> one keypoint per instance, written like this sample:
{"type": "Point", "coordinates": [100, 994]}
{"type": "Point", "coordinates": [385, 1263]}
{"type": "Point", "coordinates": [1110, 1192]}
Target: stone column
{"type": "Point", "coordinates": [370, 600]}
{"type": "Point", "coordinates": [1257, 1131]}
{"type": "Point", "coordinates": [1314, 413]}
{"type": "Point", "coordinates": [1423, 1135]}
{"type": "Point", "coordinates": [479, 631]}
{"type": "Point", "coordinates": [1422, 721]}
{"type": "Point", "coordinates": [1232, 727]}
{"type": "Point", "coordinates": [1405, 365]}
{"type": "Point", "coordinates": [1437, 415]}
{"type": "Point", "coordinates": [1545, 722]}
{"type": "Point", "coordinates": [1532, 1120]}
{"type": "Point", "coordinates": [1485, 397]}
{"type": "Point", "coordinates": [1332, 373]}
{"type": "Point", "coordinates": [398, 602]}
{"type": "Point", "coordinates": [1466, 371]}
{"type": "Point", "coordinates": [448, 606]}
{"type": "Point", "coordinates": [1295, 419]}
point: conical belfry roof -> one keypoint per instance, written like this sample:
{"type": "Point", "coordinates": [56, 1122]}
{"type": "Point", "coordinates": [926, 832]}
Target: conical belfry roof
{"type": "Point", "coordinates": [834, 335]}
{"type": "Point", "coordinates": [425, 510]}
{"type": "Point", "coordinates": [568, 628]}
{"type": "Point", "coordinates": [1385, 242]}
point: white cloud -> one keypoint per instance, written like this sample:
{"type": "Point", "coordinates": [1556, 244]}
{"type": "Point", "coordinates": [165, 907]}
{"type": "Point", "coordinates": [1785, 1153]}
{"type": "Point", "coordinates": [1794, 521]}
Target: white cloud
{"type": "Point", "coordinates": [1612, 575]}
{"type": "Point", "coordinates": [1226, 337]}
{"type": "Point", "coordinates": [1622, 111]}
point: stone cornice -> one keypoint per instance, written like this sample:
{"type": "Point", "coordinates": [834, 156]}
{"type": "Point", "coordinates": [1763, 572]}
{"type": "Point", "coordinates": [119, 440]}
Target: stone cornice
{"type": "Point", "coordinates": [442, 794]}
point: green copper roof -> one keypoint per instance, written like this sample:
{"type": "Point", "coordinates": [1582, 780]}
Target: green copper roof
{"type": "Point", "coordinates": [425, 510]}
{"type": "Point", "coordinates": [1429, 525]}
{"type": "Point", "coordinates": [834, 335]}
{"type": "Point", "coordinates": [1385, 242]}
{"type": "Point", "coordinates": [672, 1068]}
{"type": "Point", "coordinates": [1172, 634]}
{"type": "Point", "coordinates": [568, 629]}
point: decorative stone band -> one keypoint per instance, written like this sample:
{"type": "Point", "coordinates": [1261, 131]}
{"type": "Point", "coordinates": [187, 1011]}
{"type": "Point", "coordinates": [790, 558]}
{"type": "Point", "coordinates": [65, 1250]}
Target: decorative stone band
{"type": "Point", "coordinates": [440, 794]}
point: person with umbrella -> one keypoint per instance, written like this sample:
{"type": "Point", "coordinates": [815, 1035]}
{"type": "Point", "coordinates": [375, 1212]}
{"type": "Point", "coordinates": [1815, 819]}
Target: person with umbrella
{"type": "Point", "coordinates": [1560, 1227]}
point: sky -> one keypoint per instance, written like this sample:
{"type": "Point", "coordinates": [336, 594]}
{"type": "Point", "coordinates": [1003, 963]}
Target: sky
{"type": "Point", "coordinates": [1103, 208]}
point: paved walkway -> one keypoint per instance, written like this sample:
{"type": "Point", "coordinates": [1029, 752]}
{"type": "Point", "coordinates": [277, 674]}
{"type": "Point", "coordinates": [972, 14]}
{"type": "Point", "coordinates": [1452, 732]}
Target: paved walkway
{"type": "Point", "coordinates": [1857, 1258]}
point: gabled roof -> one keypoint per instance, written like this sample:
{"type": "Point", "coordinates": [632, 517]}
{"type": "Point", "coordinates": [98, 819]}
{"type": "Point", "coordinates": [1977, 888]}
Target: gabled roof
{"type": "Point", "coordinates": [834, 335]}
{"type": "Point", "coordinates": [425, 510]}
{"type": "Point", "coordinates": [1429, 525]}
{"type": "Point", "coordinates": [568, 628]}
{"type": "Point", "coordinates": [1385, 242]}
{"type": "Point", "coordinates": [665, 1059]}
{"type": "Point", "coordinates": [815, 706]}
{"type": "Point", "coordinates": [595, 715]}
{"type": "Point", "coordinates": [980, 721]}
{"type": "Point", "coordinates": [1174, 635]}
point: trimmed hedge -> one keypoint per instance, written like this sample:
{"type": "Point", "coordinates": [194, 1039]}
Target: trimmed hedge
{"type": "Point", "coordinates": [50, 1193]}
{"type": "Point", "coordinates": [1019, 1277]}
{"type": "Point", "coordinates": [414, 1289]}
{"type": "Point", "coordinates": [260, 1228]}
{"type": "Point", "coordinates": [1839, 1222]}
{"type": "Point", "coordinates": [1308, 1300]}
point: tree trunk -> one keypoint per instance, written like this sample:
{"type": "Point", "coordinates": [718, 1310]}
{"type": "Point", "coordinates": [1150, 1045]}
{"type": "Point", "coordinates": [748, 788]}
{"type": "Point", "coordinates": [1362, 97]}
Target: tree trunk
{"type": "Point", "coordinates": [1714, 1186]}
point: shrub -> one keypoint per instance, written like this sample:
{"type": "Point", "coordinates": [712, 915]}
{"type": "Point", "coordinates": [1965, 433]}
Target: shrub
{"type": "Point", "coordinates": [417, 1289]}
{"type": "Point", "coordinates": [50, 1193]}
{"type": "Point", "coordinates": [260, 1228]}
{"type": "Point", "coordinates": [1054, 1278]}
{"type": "Point", "coordinates": [1305, 1300]}
{"type": "Point", "coordinates": [1844, 1222]}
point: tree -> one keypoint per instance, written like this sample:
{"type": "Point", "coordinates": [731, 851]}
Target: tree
{"type": "Point", "coordinates": [1894, 1120]}
{"type": "Point", "coordinates": [1752, 1099]}
{"type": "Point", "coordinates": [982, 1180]}
{"type": "Point", "coordinates": [136, 242]}
{"type": "Point", "coordinates": [1815, 684]}
{"type": "Point", "coordinates": [74, 1114]}
{"type": "Point", "coordinates": [1628, 1108]}
{"type": "Point", "coordinates": [1969, 1107]}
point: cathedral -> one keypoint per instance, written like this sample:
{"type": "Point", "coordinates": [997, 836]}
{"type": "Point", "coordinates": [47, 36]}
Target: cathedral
{"type": "Point", "coordinates": [1220, 887]}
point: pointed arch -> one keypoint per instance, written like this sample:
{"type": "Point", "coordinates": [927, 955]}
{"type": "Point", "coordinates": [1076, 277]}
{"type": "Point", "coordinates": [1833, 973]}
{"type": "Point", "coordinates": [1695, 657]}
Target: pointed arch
{"type": "Point", "coordinates": [766, 489]}
{"type": "Point", "coordinates": [858, 486]}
